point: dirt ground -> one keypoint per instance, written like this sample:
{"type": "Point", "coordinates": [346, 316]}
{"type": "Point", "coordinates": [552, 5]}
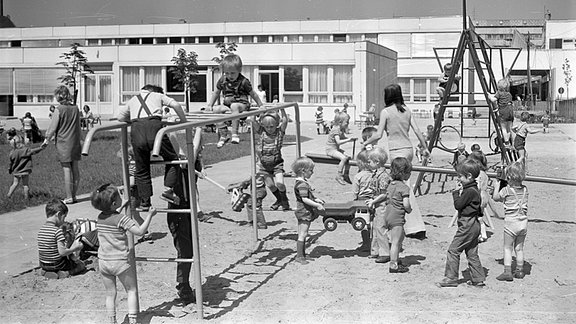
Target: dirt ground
{"type": "Point", "coordinates": [340, 285]}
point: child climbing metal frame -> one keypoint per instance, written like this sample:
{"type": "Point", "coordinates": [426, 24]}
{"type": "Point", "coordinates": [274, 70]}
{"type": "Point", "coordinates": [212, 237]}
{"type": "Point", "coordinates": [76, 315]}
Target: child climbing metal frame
{"type": "Point", "coordinates": [476, 46]}
{"type": "Point", "coordinates": [202, 120]}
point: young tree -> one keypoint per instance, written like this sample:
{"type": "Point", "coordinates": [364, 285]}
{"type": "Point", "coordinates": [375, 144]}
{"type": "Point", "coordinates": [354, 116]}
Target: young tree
{"type": "Point", "coordinates": [75, 62]}
{"type": "Point", "coordinates": [224, 49]}
{"type": "Point", "coordinates": [184, 71]}
{"type": "Point", "coordinates": [567, 75]}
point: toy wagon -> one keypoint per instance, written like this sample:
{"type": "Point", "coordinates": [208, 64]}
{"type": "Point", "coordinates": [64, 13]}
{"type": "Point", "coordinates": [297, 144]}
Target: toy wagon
{"type": "Point", "coordinates": [353, 212]}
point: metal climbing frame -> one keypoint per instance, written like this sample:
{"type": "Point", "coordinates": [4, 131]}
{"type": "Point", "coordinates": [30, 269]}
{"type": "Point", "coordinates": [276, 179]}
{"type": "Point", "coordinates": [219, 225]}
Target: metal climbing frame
{"type": "Point", "coordinates": [196, 122]}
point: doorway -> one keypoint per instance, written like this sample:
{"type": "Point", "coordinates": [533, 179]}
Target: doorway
{"type": "Point", "coordinates": [269, 82]}
{"type": "Point", "coordinates": [98, 94]}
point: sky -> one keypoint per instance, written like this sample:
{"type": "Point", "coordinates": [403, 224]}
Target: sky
{"type": "Point", "coordinates": [40, 13]}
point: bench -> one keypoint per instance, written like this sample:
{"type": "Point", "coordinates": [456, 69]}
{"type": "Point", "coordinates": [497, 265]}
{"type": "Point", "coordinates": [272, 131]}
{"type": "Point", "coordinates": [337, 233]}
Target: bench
{"type": "Point", "coordinates": [325, 159]}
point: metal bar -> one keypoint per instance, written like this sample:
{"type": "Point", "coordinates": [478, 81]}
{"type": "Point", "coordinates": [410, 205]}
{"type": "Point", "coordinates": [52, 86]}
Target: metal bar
{"type": "Point", "coordinates": [253, 189]}
{"type": "Point", "coordinates": [160, 259]}
{"type": "Point", "coordinates": [90, 134]}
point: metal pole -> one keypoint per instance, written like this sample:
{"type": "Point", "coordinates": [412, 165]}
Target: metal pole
{"type": "Point", "coordinates": [253, 188]}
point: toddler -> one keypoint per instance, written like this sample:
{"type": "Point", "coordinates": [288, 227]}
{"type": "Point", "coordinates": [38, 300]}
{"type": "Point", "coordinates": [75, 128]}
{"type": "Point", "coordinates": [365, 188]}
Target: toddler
{"type": "Point", "coordinates": [441, 89]}
{"type": "Point", "coordinates": [362, 190]}
{"type": "Point", "coordinates": [20, 166]}
{"type": "Point", "coordinates": [113, 251]}
{"type": "Point", "coordinates": [460, 155]}
{"type": "Point", "coordinates": [515, 199]}
{"type": "Point", "coordinates": [427, 137]}
{"type": "Point", "coordinates": [367, 132]}
{"type": "Point", "coordinates": [336, 138]}
{"type": "Point", "coordinates": [54, 255]}
{"type": "Point", "coordinates": [467, 201]}
{"type": "Point", "coordinates": [307, 206]}
{"type": "Point", "coordinates": [320, 123]}
{"type": "Point", "coordinates": [545, 122]}
{"type": "Point", "coordinates": [236, 89]}
{"type": "Point", "coordinates": [503, 100]}
{"type": "Point", "coordinates": [522, 130]}
{"type": "Point", "coordinates": [398, 197]}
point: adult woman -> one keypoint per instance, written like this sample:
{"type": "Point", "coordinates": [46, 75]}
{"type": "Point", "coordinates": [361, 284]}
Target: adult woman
{"type": "Point", "coordinates": [396, 119]}
{"type": "Point", "coordinates": [65, 127]}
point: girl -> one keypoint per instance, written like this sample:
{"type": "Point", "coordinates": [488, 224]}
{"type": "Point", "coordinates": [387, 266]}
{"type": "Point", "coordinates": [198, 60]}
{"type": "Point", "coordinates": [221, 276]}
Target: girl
{"type": "Point", "coordinates": [395, 213]}
{"type": "Point", "coordinates": [522, 130]}
{"type": "Point", "coordinates": [503, 99]}
{"type": "Point", "coordinates": [20, 163]}
{"type": "Point", "coordinates": [269, 161]}
{"type": "Point", "coordinates": [336, 138]}
{"type": "Point", "coordinates": [377, 157]}
{"type": "Point", "coordinates": [515, 199]}
{"type": "Point", "coordinates": [320, 123]}
{"type": "Point", "coordinates": [113, 250]}
{"type": "Point", "coordinates": [307, 206]}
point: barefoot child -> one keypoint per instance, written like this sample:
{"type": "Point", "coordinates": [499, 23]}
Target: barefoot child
{"type": "Point", "coordinates": [467, 201]}
{"type": "Point", "coordinates": [336, 138]}
{"type": "Point", "coordinates": [113, 252]}
{"type": "Point", "coordinates": [236, 89]}
{"type": "Point", "coordinates": [515, 199]}
{"type": "Point", "coordinates": [20, 166]}
{"type": "Point", "coordinates": [307, 206]}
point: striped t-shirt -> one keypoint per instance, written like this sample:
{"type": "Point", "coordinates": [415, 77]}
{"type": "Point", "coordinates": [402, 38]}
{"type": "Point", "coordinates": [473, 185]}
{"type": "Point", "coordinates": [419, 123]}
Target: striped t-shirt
{"type": "Point", "coordinates": [48, 238]}
{"type": "Point", "coordinates": [112, 236]}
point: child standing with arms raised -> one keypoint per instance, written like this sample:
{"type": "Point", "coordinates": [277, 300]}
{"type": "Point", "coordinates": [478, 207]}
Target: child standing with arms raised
{"type": "Point", "coordinates": [113, 251]}
{"type": "Point", "coordinates": [336, 138]}
{"type": "Point", "coordinates": [307, 206]}
{"type": "Point", "coordinates": [236, 89]}
{"type": "Point", "coordinates": [468, 203]}
{"type": "Point", "coordinates": [515, 199]}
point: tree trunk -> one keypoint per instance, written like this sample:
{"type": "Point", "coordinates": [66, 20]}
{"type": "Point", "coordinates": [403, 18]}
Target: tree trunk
{"type": "Point", "coordinates": [186, 94]}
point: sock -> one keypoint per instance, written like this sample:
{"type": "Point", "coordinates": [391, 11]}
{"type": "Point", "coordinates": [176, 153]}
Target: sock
{"type": "Point", "coordinates": [520, 266]}
{"type": "Point", "coordinates": [393, 265]}
{"type": "Point", "coordinates": [132, 318]}
{"type": "Point", "coordinates": [299, 249]}
{"type": "Point", "coordinates": [508, 269]}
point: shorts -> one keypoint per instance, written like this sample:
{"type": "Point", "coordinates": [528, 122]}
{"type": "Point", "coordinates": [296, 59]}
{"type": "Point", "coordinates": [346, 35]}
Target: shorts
{"type": "Point", "coordinates": [393, 217]}
{"type": "Point", "coordinates": [274, 170]}
{"type": "Point", "coordinates": [515, 228]}
{"type": "Point", "coordinates": [519, 143]}
{"type": "Point", "coordinates": [113, 267]}
{"type": "Point", "coordinates": [65, 264]}
{"type": "Point", "coordinates": [506, 114]}
{"type": "Point", "coordinates": [332, 152]}
{"type": "Point", "coordinates": [228, 101]}
{"type": "Point", "coordinates": [305, 215]}
{"type": "Point", "coordinates": [545, 123]}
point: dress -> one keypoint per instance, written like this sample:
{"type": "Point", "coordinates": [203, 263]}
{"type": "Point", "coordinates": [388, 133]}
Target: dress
{"type": "Point", "coordinates": [65, 125]}
{"type": "Point", "coordinates": [397, 126]}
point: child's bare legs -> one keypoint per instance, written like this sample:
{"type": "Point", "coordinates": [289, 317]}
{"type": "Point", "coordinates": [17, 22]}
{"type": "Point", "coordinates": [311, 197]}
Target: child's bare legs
{"type": "Point", "coordinates": [483, 234]}
{"type": "Point", "coordinates": [128, 280]}
{"type": "Point", "coordinates": [440, 92]}
{"type": "Point", "coordinates": [343, 167]}
{"type": "Point", "coordinates": [71, 179]}
{"type": "Point", "coordinates": [519, 249]}
{"type": "Point", "coordinates": [110, 285]}
{"type": "Point", "coordinates": [508, 247]}
{"type": "Point", "coordinates": [303, 227]}
{"type": "Point", "coordinates": [13, 187]}
{"type": "Point", "coordinates": [396, 236]}
{"type": "Point", "coordinates": [236, 108]}
{"type": "Point", "coordinates": [506, 127]}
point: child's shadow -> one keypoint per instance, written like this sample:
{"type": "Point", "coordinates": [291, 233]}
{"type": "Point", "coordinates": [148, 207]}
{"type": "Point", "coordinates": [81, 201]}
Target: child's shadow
{"type": "Point", "coordinates": [412, 259]}
{"type": "Point", "coordinates": [335, 254]}
{"type": "Point", "coordinates": [151, 237]}
{"type": "Point", "coordinates": [527, 268]}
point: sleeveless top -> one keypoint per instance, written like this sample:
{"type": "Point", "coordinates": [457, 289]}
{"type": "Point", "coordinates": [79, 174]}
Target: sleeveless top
{"type": "Point", "coordinates": [397, 127]}
{"type": "Point", "coordinates": [269, 148]}
{"type": "Point", "coordinates": [515, 203]}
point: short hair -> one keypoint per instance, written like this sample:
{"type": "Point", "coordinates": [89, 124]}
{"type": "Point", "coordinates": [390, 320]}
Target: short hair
{"type": "Point", "coordinates": [302, 163]}
{"type": "Point", "coordinates": [320, 108]}
{"type": "Point", "coordinates": [468, 167]}
{"type": "Point", "coordinates": [52, 108]}
{"type": "Point", "coordinates": [367, 132]}
{"type": "Point", "coordinates": [55, 206]}
{"type": "Point", "coordinates": [62, 95]}
{"type": "Point", "coordinates": [269, 119]}
{"type": "Point", "coordinates": [86, 107]}
{"type": "Point", "coordinates": [153, 88]}
{"type": "Point", "coordinates": [447, 67]}
{"type": "Point", "coordinates": [400, 167]}
{"type": "Point", "coordinates": [475, 147]}
{"type": "Point", "coordinates": [16, 141]}
{"type": "Point", "coordinates": [429, 127]}
{"type": "Point", "coordinates": [516, 172]}
{"type": "Point", "coordinates": [362, 160]}
{"type": "Point", "coordinates": [503, 84]}
{"type": "Point", "coordinates": [340, 118]}
{"type": "Point", "coordinates": [103, 197]}
{"type": "Point", "coordinates": [378, 155]}
{"type": "Point", "coordinates": [461, 146]}
{"type": "Point", "coordinates": [524, 116]}
{"type": "Point", "coordinates": [231, 61]}
{"type": "Point", "coordinates": [479, 157]}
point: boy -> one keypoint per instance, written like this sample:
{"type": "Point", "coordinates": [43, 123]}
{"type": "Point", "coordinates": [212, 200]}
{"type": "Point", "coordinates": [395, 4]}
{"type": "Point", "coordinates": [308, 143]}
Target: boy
{"type": "Point", "coordinates": [367, 132]}
{"type": "Point", "coordinates": [460, 155]}
{"type": "Point", "coordinates": [236, 88]}
{"type": "Point", "coordinates": [53, 254]}
{"type": "Point", "coordinates": [468, 203]}
{"type": "Point", "coordinates": [20, 163]}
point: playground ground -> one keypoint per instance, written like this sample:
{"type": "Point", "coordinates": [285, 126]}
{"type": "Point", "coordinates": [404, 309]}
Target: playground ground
{"type": "Point", "coordinates": [340, 285]}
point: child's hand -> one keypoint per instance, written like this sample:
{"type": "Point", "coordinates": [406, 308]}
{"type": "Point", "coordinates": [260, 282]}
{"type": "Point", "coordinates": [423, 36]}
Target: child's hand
{"type": "Point", "coordinates": [76, 245]}
{"type": "Point", "coordinates": [321, 206]}
{"type": "Point", "coordinates": [320, 201]}
{"type": "Point", "coordinates": [458, 186]}
{"type": "Point", "coordinates": [370, 203]}
{"type": "Point", "coordinates": [152, 212]}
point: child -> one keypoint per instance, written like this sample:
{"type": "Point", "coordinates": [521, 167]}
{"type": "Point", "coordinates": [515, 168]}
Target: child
{"type": "Point", "coordinates": [53, 254]}
{"type": "Point", "coordinates": [379, 183]}
{"type": "Point", "coordinates": [245, 198]}
{"type": "Point", "coordinates": [275, 99]}
{"type": "Point", "coordinates": [522, 130]}
{"type": "Point", "coordinates": [28, 122]}
{"type": "Point", "coordinates": [475, 147]}
{"type": "Point", "coordinates": [545, 122]}
{"type": "Point", "coordinates": [307, 206]}
{"type": "Point", "coordinates": [503, 100]}
{"type": "Point", "coordinates": [113, 250]}
{"type": "Point", "coordinates": [460, 155]}
{"type": "Point", "coordinates": [336, 112]}
{"type": "Point", "coordinates": [20, 163]}
{"type": "Point", "coordinates": [515, 199]}
{"type": "Point", "coordinates": [395, 213]}
{"type": "Point", "coordinates": [367, 132]}
{"type": "Point", "coordinates": [320, 123]}
{"type": "Point", "coordinates": [362, 190]}
{"type": "Point", "coordinates": [236, 88]}
{"type": "Point", "coordinates": [427, 137]}
{"type": "Point", "coordinates": [441, 89]}
{"type": "Point", "coordinates": [468, 203]}
{"type": "Point", "coordinates": [336, 138]}
{"type": "Point", "coordinates": [269, 161]}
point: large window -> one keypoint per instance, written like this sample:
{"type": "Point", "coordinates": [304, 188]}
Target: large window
{"type": "Point", "coordinates": [342, 84]}
{"type": "Point", "coordinates": [36, 85]}
{"type": "Point", "coordinates": [153, 75]}
{"type": "Point", "coordinates": [419, 90]}
{"type": "Point", "coordinates": [405, 86]}
{"type": "Point", "coordinates": [130, 82]}
{"type": "Point", "coordinates": [318, 82]}
{"type": "Point", "coordinates": [293, 84]}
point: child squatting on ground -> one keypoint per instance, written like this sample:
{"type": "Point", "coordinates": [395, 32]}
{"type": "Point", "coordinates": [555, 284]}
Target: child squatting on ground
{"type": "Point", "coordinates": [307, 206]}
{"type": "Point", "coordinates": [20, 166]}
{"type": "Point", "coordinates": [515, 199]}
{"type": "Point", "coordinates": [56, 259]}
{"type": "Point", "coordinates": [236, 89]}
{"type": "Point", "coordinates": [269, 162]}
{"type": "Point", "coordinates": [467, 201]}
{"type": "Point", "coordinates": [113, 251]}
{"type": "Point", "coordinates": [336, 138]}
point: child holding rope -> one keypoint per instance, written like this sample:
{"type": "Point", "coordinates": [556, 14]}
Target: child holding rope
{"type": "Point", "coordinates": [307, 206]}
{"type": "Point", "coordinates": [113, 251]}
{"type": "Point", "coordinates": [236, 89]}
{"type": "Point", "coordinates": [336, 138]}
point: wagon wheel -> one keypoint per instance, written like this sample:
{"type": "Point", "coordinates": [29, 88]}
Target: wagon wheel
{"type": "Point", "coordinates": [330, 224]}
{"type": "Point", "coordinates": [358, 223]}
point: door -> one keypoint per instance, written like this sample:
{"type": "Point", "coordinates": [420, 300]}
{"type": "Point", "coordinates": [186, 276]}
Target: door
{"type": "Point", "coordinates": [269, 82]}
{"type": "Point", "coordinates": [98, 94]}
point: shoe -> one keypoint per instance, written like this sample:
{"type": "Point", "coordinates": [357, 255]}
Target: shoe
{"type": "Point", "coordinates": [478, 284]}
{"type": "Point", "coordinates": [341, 180]}
{"type": "Point", "coordinates": [170, 197]}
{"type": "Point", "coordinates": [69, 201]}
{"type": "Point", "coordinates": [372, 256]}
{"type": "Point", "coordinates": [382, 259]}
{"type": "Point", "coordinates": [222, 141]}
{"type": "Point", "coordinates": [185, 292]}
{"type": "Point", "coordinates": [276, 205]}
{"type": "Point", "coordinates": [301, 260]}
{"type": "Point", "coordinates": [482, 239]}
{"type": "Point", "coordinates": [364, 248]}
{"type": "Point", "coordinates": [63, 274]}
{"type": "Point", "coordinates": [505, 277]}
{"type": "Point", "coordinates": [519, 274]}
{"type": "Point", "coordinates": [447, 282]}
{"type": "Point", "coordinates": [399, 269]}
{"type": "Point", "coordinates": [203, 217]}
{"type": "Point", "coordinates": [347, 178]}
{"type": "Point", "coordinates": [235, 139]}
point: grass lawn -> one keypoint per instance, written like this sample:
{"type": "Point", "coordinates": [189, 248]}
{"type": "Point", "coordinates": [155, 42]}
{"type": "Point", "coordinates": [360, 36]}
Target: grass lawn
{"type": "Point", "coordinates": [101, 166]}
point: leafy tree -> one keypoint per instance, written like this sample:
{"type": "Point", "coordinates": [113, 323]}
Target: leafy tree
{"type": "Point", "coordinates": [75, 62]}
{"type": "Point", "coordinates": [567, 75]}
{"type": "Point", "coordinates": [224, 49]}
{"type": "Point", "coordinates": [184, 71]}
